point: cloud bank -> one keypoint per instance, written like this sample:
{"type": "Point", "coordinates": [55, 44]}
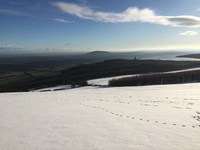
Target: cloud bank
{"type": "Point", "coordinates": [188, 33]}
{"type": "Point", "coordinates": [131, 14]}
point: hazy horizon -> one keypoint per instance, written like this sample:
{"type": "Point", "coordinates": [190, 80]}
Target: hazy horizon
{"type": "Point", "coordinates": [86, 52]}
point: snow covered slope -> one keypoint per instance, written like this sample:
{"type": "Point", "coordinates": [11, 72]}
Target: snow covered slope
{"type": "Point", "coordinates": [165, 117]}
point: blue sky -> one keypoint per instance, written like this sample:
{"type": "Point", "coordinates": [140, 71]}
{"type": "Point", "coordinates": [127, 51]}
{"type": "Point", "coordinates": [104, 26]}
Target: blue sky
{"type": "Point", "coordinates": [87, 25]}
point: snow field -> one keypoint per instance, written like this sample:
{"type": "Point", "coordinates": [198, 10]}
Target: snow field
{"type": "Point", "coordinates": [148, 117]}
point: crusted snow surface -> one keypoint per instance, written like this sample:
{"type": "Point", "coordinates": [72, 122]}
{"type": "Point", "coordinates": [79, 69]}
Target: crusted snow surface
{"type": "Point", "coordinates": [148, 117]}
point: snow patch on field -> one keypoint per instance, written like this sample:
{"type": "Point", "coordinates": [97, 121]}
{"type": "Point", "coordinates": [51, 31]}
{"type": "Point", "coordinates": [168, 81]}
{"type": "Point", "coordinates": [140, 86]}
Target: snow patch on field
{"type": "Point", "coordinates": [150, 117]}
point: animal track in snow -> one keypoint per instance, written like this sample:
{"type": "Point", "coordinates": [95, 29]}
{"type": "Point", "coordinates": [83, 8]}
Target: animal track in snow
{"type": "Point", "coordinates": [141, 119]}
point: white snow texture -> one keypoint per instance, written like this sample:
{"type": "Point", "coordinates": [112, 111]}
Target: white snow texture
{"type": "Point", "coordinates": [164, 117]}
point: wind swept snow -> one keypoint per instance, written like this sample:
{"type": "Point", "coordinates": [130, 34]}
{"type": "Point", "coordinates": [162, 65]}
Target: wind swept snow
{"type": "Point", "coordinates": [149, 117]}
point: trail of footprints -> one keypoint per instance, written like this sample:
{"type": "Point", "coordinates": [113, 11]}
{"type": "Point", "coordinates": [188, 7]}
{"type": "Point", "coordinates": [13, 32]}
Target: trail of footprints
{"type": "Point", "coordinates": [148, 103]}
{"type": "Point", "coordinates": [134, 118]}
{"type": "Point", "coordinates": [177, 105]}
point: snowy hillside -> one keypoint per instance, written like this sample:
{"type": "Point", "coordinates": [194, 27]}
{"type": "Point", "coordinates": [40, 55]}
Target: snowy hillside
{"type": "Point", "coordinates": [165, 117]}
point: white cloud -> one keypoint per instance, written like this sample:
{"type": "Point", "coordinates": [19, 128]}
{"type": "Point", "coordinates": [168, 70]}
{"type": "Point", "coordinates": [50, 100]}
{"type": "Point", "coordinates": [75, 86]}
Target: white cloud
{"type": "Point", "coordinates": [5, 48]}
{"type": "Point", "coordinates": [188, 33]}
{"type": "Point", "coordinates": [131, 14]}
{"type": "Point", "coordinates": [60, 20]}
{"type": "Point", "coordinates": [10, 48]}
{"type": "Point", "coordinates": [187, 21]}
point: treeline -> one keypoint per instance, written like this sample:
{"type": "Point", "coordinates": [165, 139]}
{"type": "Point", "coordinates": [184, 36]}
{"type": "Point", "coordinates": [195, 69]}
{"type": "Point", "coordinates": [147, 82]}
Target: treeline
{"type": "Point", "coordinates": [41, 83]}
{"type": "Point", "coordinates": [118, 67]}
{"type": "Point", "coordinates": [157, 79]}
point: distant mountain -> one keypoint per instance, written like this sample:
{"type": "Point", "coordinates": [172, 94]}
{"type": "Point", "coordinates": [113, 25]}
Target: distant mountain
{"type": "Point", "coordinates": [197, 56]}
{"type": "Point", "coordinates": [98, 53]}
